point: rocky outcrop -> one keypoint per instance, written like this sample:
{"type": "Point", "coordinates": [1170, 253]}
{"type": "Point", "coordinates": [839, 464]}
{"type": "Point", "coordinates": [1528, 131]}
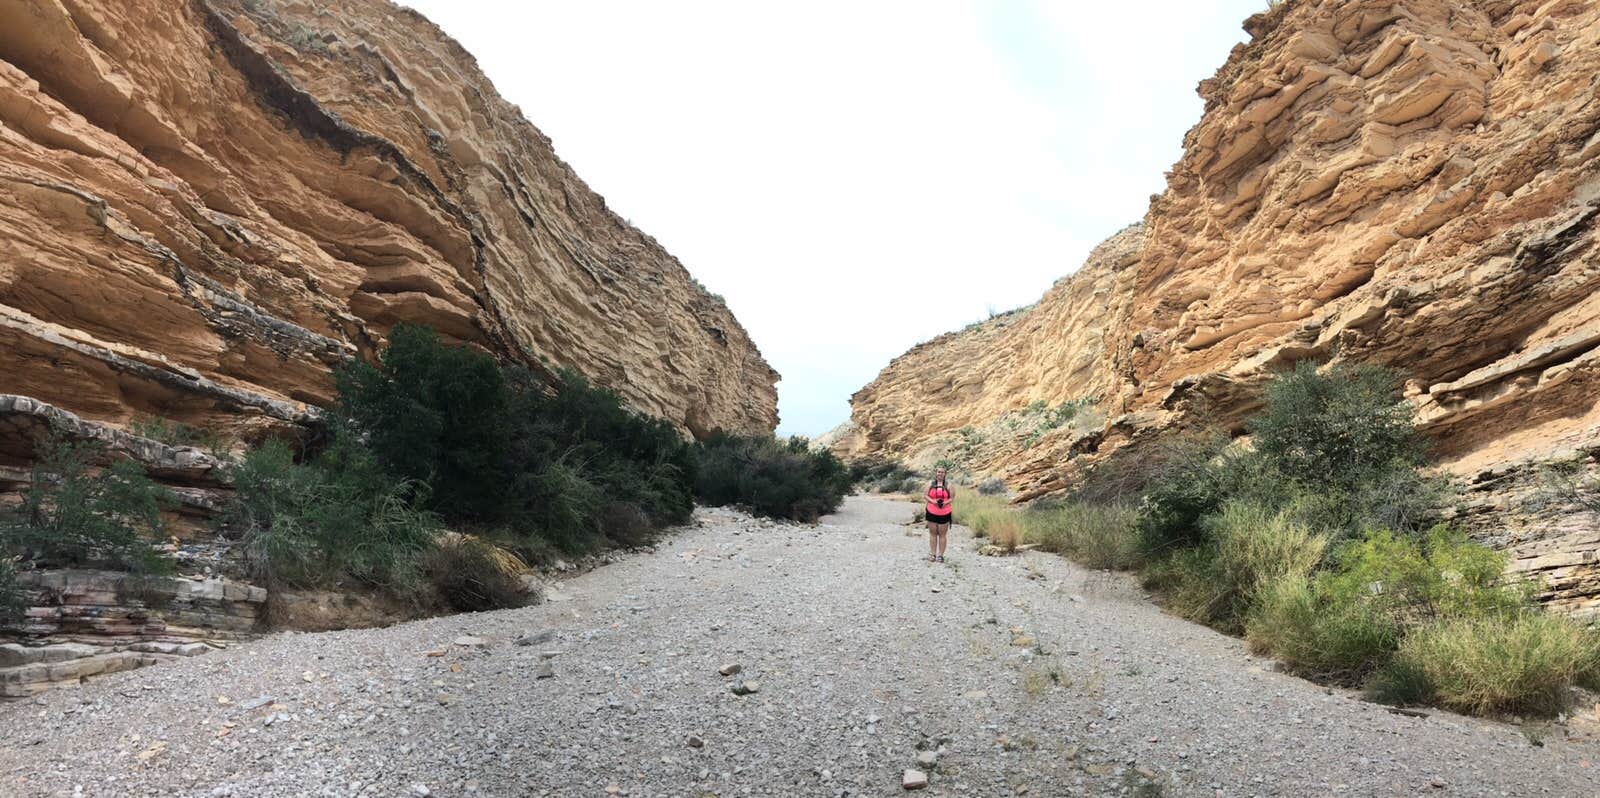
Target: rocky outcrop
{"type": "Point", "coordinates": [87, 623]}
{"type": "Point", "coordinates": [207, 205]}
{"type": "Point", "coordinates": [1414, 183]}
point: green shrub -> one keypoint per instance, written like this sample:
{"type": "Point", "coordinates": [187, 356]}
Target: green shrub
{"type": "Point", "coordinates": [1338, 427]}
{"type": "Point", "coordinates": [973, 510]}
{"type": "Point", "coordinates": [1188, 479]}
{"type": "Point", "coordinates": [502, 449]}
{"type": "Point", "coordinates": [1523, 662]}
{"type": "Point", "coordinates": [471, 575]}
{"type": "Point", "coordinates": [338, 517]}
{"type": "Point", "coordinates": [1347, 621]}
{"type": "Point", "coordinates": [631, 457]}
{"type": "Point", "coordinates": [1251, 547]}
{"type": "Point", "coordinates": [74, 515]}
{"type": "Point", "coordinates": [561, 504]}
{"type": "Point", "coordinates": [13, 597]}
{"type": "Point", "coordinates": [435, 414]}
{"type": "Point", "coordinates": [771, 477]}
{"type": "Point", "coordinates": [880, 475]}
{"type": "Point", "coordinates": [1317, 631]}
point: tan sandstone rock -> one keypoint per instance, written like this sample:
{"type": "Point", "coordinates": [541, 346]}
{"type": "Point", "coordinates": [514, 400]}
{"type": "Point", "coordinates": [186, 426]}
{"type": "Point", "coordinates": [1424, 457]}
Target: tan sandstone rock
{"type": "Point", "coordinates": [205, 206]}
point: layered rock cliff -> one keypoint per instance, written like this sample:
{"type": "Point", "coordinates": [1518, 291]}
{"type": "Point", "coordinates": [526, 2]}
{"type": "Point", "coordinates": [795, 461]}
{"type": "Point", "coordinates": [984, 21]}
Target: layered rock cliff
{"type": "Point", "coordinates": [206, 205]}
{"type": "Point", "coordinates": [1414, 183]}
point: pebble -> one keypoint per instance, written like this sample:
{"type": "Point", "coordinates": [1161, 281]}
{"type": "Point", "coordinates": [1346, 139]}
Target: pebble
{"type": "Point", "coordinates": [730, 669]}
{"type": "Point", "coordinates": [839, 625]}
{"type": "Point", "coordinates": [913, 779]}
{"type": "Point", "coordinates": [746, 687]}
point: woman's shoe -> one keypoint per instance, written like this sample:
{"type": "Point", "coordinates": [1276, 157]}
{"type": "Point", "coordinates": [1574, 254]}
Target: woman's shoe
{"type": "Point", "coordinates": [941, 558]}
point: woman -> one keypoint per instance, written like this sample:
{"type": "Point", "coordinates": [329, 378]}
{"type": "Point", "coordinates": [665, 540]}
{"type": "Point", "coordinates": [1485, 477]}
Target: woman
{"type": "Point", "coordinates": [941, 504]}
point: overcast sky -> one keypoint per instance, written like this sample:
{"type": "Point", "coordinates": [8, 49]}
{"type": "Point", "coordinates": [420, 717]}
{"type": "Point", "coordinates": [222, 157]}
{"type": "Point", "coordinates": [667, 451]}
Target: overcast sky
{"type": "Point", "coordinates": [857, 176]}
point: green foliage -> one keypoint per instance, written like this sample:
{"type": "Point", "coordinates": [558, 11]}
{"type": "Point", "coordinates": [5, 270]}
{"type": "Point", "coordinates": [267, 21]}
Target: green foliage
{"type": "Point", "coordinates": [1339, 427]}
{"type": "Point", "coordinates": [338, 517]}
{"type": "Point", "coordinates": [992, 487]}
{"type": "Point", "coordinates": [1316, 630]}
{"type": "Point", "coordinates": [1492, 664]}
{"type": "Point", "coordinates": [1337, 448]}
{"type": "Point", "coordinates": [1251, 547]}
{"type": "Point", "coordinates": [771, 477]}
{"type": "Point", "coordinates": [881, 476]}
{"type": "Point", "coordinates": [1187, 479]}
{"type": "Point", "coordinates": [74, 515]}
{"type": "Point", "coordinates": [501, 449]}
{"type": "Point", "coordinates": [13, 597]}
{"type": "Point", "coordinates": [434, 414]}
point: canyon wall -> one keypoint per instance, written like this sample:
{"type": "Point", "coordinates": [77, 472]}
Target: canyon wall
{"type": "Point", "coordinates": [1414, 183]}
{"type": "Point", "coordinates": [207, 205]}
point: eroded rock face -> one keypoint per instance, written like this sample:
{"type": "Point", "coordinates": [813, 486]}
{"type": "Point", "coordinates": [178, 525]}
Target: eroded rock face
{"type": "Point", "coordinates": [206, 205]}
{"type": "Point", "coordinates": [1414, 183]}
{"type": "Point", "coordinates": [87, 623]}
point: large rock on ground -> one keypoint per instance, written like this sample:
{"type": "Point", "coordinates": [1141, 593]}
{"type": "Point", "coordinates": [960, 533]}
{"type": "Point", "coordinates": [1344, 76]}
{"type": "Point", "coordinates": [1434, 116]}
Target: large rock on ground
{"type": "Point", "coordinates": [207, 205]}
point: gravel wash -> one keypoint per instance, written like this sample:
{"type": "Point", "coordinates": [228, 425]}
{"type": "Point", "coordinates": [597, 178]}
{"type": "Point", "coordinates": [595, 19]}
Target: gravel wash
{"type": "Point", "coordinates": [850, 660]}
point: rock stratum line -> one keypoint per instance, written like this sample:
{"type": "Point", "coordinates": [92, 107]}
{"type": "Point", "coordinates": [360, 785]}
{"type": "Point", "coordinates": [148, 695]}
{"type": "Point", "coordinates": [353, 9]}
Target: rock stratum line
{"type": "Point", "coordinates": [207, 205]}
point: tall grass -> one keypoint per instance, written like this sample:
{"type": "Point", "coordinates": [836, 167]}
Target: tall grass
{"type": "Point", "coordinates": [1097, 536]}
{"type": "Point", "coordinates": [1520, 663]}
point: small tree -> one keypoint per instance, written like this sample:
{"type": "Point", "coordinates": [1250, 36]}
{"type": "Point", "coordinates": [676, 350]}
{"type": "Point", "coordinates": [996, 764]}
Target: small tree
{"type": "Point", "coordinates": [1345, 425]}
{"type": "Point", "coordinates": [435, 414]}
{"type": "Point", "coordinates": [74, 515]}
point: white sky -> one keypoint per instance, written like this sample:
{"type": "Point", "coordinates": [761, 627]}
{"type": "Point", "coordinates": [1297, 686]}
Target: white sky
{"type": "Point", "coordinates": [856, 177]}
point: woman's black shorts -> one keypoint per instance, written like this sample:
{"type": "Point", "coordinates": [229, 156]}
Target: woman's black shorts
{"type": "Point", "coordinates": [939, 519]}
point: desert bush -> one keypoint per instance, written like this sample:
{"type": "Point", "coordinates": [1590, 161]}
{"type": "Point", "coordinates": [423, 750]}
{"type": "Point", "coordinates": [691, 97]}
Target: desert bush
{"type": "Point", "coordinates": [13, 597]}
{"type": "Point", "coordinates": [338, 517]}
{"type": "Point", "coordinates": [992, 487]}
{"type": "Point", "coordinates": [771, 477]}
{"type": "Point", "coordinates": [1298, 620]}
{"type": "Point", "coordinates": [1337, 447]}
{"type": "Point", "coordinates": [1346, 621]}
{"type": "Point", "coordinates": [1523, 662]}
{"type": "Point", "coordinates": [974, 510]}
{"type": "Point", "coordinates": [467, 574]}
{"type": "Point", "coordinates": [1338, 427]}
{"type": "Point", "coordinates": [76, 515]}
{"type": "Point", "coordinates": [435, 414]}
{"type": "Point", "coordinates": [1250, 547]}
{"type": "Point", "coordinates": [1188, 480]}
{"type": "Point", "coordinates": [500, 449]}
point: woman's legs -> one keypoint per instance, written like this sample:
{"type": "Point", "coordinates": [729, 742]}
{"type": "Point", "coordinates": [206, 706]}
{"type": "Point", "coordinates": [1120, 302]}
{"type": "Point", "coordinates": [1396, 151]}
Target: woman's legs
{"type": "Point", "coordinates": [933, 540]}
{"type": "Point", "coordinates": [943, 539]}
